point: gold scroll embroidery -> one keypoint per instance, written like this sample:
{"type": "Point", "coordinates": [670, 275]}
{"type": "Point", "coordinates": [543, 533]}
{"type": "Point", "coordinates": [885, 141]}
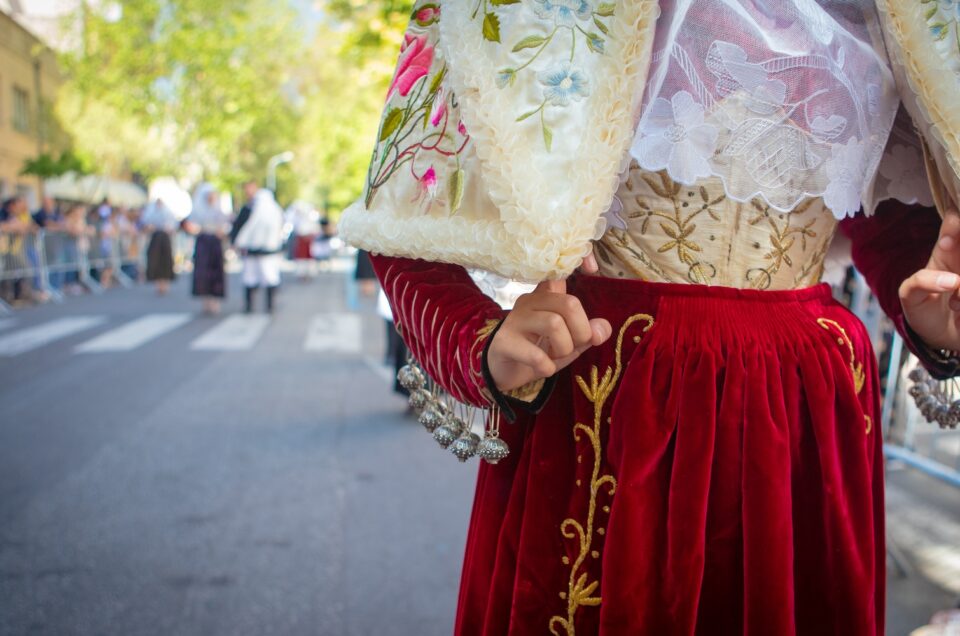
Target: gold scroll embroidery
{"type": "Point", "coordinates": [476, 351]}
{"type": "Point", "coordinates": [856, 368]}
{"type": "Point", "coordinates": [580, 590]}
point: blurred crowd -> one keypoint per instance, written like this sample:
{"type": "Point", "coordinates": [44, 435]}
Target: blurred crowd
{"type": "Point", "coordinates": [70, 248]}
{"type": "Point", "coordinates": [60, 232]}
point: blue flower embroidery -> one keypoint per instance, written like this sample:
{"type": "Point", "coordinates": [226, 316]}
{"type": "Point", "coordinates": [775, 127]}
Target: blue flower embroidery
{"type": "Point", "coordinates": [564, 83]}
{"type": "Point", "coordinates": [563, 12]}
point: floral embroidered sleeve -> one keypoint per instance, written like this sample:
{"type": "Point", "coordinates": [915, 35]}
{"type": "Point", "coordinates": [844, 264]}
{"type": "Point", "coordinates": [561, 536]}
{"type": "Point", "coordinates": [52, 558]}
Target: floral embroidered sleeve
{"type": "Point", "coordinates": [445, 320]}
{"type": "Point", "coordinates": [888, 248]}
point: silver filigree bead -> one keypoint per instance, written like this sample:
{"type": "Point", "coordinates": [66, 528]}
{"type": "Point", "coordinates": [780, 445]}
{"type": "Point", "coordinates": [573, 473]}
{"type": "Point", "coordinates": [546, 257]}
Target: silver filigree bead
{"type": "Point", "coordinates": [927, 403]}
{"type": "Point", "coordinates": [492, 450]}
{"type": "Point", "coordinates": [919, 374]}
{"type": "Point", "coordinates": [465, 446]}
{"type": "Point", "coordinates": [419, 398]}
{"type": "Point", "coordinates": [917, 391]}
{"type": "Point", "coordinates": [445, 435]}
{"type": "Point", "coordinates": [941, 414]}
{"type": "Point", "coordinates": [455, 423]}
{"type": "Point", "coordinates": [431, 417]}
{"type": "Point", "coordinates": [411, 377]}
{"type": "Point", "coordinates": [955, 410]}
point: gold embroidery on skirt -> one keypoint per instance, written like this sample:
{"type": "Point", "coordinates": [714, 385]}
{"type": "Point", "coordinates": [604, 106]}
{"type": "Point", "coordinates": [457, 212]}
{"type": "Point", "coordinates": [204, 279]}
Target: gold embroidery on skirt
{"type": "Point", "coordinates": [580, 590]}
{"type": "Point", "coordinates": [856, 368]}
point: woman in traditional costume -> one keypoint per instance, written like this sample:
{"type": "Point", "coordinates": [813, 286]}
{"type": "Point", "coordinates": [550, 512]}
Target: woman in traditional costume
{"type": "Point", "coordinates": [210, 224]}
{"type": "Point", "coordinates": [161, 223]}
{"type": "Point", "coordinates": [696, 444]}
{"type": "Point", "coordinates": [305, 221]}
{"type": "Point", "coordinates": [259, 237]}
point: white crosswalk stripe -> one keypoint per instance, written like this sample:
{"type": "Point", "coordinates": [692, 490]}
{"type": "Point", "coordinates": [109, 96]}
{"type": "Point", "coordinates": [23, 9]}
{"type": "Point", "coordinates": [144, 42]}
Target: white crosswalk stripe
{"type": "Point", "coordinates": [235, 333]}
{"type": "Point", "coordinates": [32, 338]}
{"type": "Point", "coordinates": [341, 333]}
{"type": "Point", "coordinates": [6, 323]}
{"type": "Point", "coordinates": [134, 334]}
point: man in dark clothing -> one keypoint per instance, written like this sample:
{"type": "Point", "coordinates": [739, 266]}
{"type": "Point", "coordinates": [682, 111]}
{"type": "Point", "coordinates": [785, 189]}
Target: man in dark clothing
{"type": "Point", "coordinates": [47, 217]}
{"type": "Point", "coordinates": [249, 189]}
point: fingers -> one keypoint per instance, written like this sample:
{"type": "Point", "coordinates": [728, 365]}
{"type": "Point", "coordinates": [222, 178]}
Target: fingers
{"type": "Point", "coordinates": [589, 264]}
{"type": "Point", "coordinates": [601, 331]}
{"type": "Point", "coordinates": [551, 286]}
{"type": "Point", "coordinates": [551, 327]}
{"type": "Point", "coordinates": [925, 283]}
{"type": "Point", "coordinates": [946, 252]}
{"type": "Point", "coordinates": [567, 306]}
{"type": "Point", "coordinates": [518, 349]}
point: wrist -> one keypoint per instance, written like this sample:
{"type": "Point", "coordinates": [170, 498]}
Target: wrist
{"type": "Point", "coordinates": [530, 397]}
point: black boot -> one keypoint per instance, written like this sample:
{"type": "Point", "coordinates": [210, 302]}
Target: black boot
{"type": "Point", "coordinates": [271, 291]}
{"type": "Point", "coordinates": [250, 292]}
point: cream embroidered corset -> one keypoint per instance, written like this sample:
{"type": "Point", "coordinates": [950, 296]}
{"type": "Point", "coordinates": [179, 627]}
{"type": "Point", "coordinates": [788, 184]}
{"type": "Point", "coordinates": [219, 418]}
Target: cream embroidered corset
{"type": "Point", "coordinates": [669, 232]}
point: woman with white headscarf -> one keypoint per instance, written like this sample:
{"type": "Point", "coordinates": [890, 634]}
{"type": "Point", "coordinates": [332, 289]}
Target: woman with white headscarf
{"type": "Point", "coordinates": [259, 237]}
{"type": "Point", "coordinates": [209, 223]}
{"type": "Point", "coordinates": [161, 223]}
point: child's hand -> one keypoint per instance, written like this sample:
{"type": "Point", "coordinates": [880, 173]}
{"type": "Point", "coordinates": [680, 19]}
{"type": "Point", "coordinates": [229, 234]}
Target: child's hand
{"type": "Point", "coordinates": [546, 331]}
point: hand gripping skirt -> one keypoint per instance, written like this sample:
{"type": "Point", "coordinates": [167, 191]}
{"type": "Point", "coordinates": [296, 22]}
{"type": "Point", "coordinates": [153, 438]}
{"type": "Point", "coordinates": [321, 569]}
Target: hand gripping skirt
{"type": "Point", "coordinates": [715, 468]}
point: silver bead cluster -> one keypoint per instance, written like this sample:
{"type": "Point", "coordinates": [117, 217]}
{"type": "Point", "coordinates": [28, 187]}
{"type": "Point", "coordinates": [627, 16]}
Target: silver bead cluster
{"type": "Point", "coordinates": [935, 400]}
{"type": "Point", "coordinates": [438, 415]}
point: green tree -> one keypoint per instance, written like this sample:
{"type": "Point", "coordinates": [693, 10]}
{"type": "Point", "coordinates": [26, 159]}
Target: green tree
{"type": "Point", "coordinates": [352, 57]}
{"type": "Point", "coordinates": [46, 165]}
{"type": "Point", "coordinates": [192, 87]}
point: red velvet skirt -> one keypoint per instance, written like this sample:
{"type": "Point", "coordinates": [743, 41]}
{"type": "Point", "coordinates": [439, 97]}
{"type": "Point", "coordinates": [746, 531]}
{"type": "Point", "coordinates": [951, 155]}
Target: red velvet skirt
{"type": "Point", "coordinates": [715, 468]}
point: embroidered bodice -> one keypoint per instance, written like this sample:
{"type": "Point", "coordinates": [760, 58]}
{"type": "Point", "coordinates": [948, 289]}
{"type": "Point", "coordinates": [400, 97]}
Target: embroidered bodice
{"type": "Point", "coordinates": [664, 231]}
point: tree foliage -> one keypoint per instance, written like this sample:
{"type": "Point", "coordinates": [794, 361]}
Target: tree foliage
{"type": "Point", "coordinates": [353, 55]}
{"type": "Point", "coordinates": [212, 88]}
{"type": "Point", "coordinates": [47, 165]}
{"type": "Point", "coordinates": [207, 82]}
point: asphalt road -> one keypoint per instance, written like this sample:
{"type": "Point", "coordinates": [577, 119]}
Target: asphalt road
{"type": "Point", "coordinates": [166, 473]}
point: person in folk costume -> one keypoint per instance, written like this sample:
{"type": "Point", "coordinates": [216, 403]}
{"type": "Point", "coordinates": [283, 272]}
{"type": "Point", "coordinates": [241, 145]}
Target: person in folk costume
{"type": "Point", "coordinates": [696, 443]}
{"type": "Point", "coordinates": [161, 223]}
{"type": "Point", "coordinates": [210, 224]}
{"type": "Point", "coordinates": [259, 237]}
{"type": "Point", "coordinates": [305, 220]}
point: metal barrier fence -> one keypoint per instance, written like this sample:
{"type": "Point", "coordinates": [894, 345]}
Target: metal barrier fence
{"type": "Point", "coordinates": [52, 262]}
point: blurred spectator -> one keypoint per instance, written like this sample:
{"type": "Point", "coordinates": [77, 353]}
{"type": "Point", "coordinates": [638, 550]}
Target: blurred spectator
{"type": "Point", "coordinates": [364, 274]}
{"type": "Point", "coordinates": [77, 236]}
{"type": "Point", "coordinates": [258, 233]}
{"type": "Point", "coordinates": [107, 234]}
{"type": "Point", "coordinates": [49, 219]}
{"type": "Point", "coordinates": [18, 249]}
{"type": "Point", "coordinates": [48, 216]}
{"type": "Point", "coordinates": [128, 235]}
{"type": "Point", "coordinates": [209, 223]}
{"type": "Point", "coordinates": [160, 222]}
{"type": "Point", "coordinates": [306, 229]}
{"type": "Point", "coordinates": [396, 353]}
{"type": "Point", "coordinates": [322, 248]}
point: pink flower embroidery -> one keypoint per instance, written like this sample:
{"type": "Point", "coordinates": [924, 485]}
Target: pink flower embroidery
{"type": "Point", "coordinates": [427, 15]}
{"type": "Point", "coordinates": [428, 184]}
{"type": "Point", "coordinates": [415, 61]}
{"type": "Point", "coordinates": [439, 109]}
{"type": "Point", "coordinates": [461, 128]}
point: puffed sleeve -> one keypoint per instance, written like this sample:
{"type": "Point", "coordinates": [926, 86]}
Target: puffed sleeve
{"type": "Point", "coordinates": [887, 248]}
{"type": "Point", "coordinates": [444, 319]}
{"type": "Point", "coordinates": [448, 324]}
